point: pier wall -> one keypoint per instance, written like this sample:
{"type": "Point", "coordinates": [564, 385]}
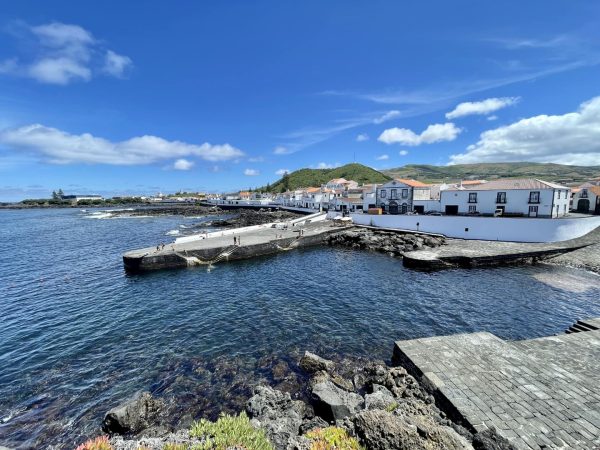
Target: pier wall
{"type": "Point", "coordinates": [485, 228]}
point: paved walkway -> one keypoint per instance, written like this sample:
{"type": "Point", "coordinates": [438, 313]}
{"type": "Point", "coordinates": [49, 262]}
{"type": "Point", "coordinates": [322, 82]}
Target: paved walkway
{"type": "Point", "coordinates": [539, 393]}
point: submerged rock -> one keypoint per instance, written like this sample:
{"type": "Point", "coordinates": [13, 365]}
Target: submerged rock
{"type": "Point", "coordinates": [312, 363]}
{"type": "Point", "coordinates": [141, 412]}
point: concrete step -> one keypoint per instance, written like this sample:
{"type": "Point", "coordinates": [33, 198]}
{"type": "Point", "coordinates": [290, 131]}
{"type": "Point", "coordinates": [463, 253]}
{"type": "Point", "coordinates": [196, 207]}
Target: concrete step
{"type": "Point", "coordinates": [589, 324]}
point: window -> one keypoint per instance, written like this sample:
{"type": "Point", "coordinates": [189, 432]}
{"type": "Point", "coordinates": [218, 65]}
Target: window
{"type": "Point", "coordinates": [382, 194]}
{"type": "Point", "coordinates": [534, 197]}
{"type": "Point", "coordinates": [584, 193]}
{"type": "Point", "coordinates": [501, 197]}
{"type": "Point", "coordinates": [472, 197]}
{"type": "Point", "coordinates": [404, 193]}
{"type": "Point", "coordinates": [558, 195]}
{"type": "Point", "coordinates": [472, 209]}
{"type": "Point", "coordinates": [393, 193]}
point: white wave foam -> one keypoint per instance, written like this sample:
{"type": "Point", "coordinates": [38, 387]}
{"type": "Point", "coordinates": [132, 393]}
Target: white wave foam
{"type": "Point", "coordinates": [172, 233]}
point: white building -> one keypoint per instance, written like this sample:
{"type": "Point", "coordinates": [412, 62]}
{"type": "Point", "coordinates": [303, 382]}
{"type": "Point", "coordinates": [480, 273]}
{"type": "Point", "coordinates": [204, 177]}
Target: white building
{"type": "Point", "coordinates": [587, 199]}
{"type": "Point", "coordinates": [396, 196]}
{"type": "Point", "coordinates": [507, 197]}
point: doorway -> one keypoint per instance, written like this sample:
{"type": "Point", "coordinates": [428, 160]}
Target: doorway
{"type": "Point", "coordinates": [533, 211]}
{"type": "Point", "coordinates": [451, 210]}
{"type": "Point", "coordinates": [393, 207]}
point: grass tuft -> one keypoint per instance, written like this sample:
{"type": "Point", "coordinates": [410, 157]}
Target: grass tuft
{"type": "Point", "coordinates": [99, 443]}
{"type": "Point", "coordinates": [332, 438]}
{"type": "Point", "coordinates": [229, 431]}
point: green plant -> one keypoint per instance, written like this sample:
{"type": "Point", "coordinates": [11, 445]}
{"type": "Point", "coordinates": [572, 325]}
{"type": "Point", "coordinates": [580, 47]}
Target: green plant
{"type": "Point", "coordinates": [391, 407]}
{"type": "Point", "coordinates": [99, 443]}
{"type": "Point", "coordinates": [170, 446]}
{"type": "Point", "coordinates": [230, 431]}
{"type": "Point", "coordinates": [332, 438]}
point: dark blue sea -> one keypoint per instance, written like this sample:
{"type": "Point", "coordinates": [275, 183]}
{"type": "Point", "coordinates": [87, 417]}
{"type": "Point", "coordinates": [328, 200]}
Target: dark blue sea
{"type": "Point", "coordinates": [78, 335]}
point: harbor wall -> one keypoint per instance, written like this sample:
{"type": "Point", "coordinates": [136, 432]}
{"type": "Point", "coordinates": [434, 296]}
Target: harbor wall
{"type": "Point", "coordinates": [485, 228]}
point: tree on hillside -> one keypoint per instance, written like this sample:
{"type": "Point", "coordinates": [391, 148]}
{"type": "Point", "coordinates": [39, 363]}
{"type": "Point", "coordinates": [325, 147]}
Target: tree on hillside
{"type": "Point", "coordinates": [60, 194]}
{"type": "Point", "coordinates": [268, 188]}
{"type": "Point", "coordinates": [54, 195]}
{"type": "Point", "coordinates": [285, 181]}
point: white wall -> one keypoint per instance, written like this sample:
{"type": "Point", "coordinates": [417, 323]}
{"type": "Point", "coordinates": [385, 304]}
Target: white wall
{"type": "Point", "coordinates": [517, 201]}
{"type": "Point", "coordinates": [487, 228]}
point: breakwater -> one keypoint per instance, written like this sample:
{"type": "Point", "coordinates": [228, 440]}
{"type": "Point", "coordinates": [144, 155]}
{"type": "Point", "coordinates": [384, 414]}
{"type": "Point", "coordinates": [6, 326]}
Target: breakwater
{"type": "Point", "coordinates": [235, 244]}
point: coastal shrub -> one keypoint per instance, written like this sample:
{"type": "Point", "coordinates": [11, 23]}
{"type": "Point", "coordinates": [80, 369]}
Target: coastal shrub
{"type": "Point", "coordinates": [332, 438]}
{"type": "Point", "coordinates": [230, 431]}
{"type": "Point", "coordinates": [391, 407]}
{"type": "Point", "coordinates": [99, 443]}
{"type": "Point", "coordinates": [170, 446]}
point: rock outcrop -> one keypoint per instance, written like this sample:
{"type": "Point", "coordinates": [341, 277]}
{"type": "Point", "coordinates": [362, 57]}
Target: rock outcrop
{"type": "Point", "coordinates": [134, 416]}
{"type": "Point", "coordinates": [393, 243]}
{"type": "Point", "coordinates": [312, 363]}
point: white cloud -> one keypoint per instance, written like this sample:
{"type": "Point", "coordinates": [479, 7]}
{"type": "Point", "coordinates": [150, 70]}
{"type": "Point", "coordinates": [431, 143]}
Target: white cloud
{"type": "Point", "coordinates": [251, 172]}
{"type": "Point", "coordinates": [63, 54]}
{"type": "Point", "coordinates": [281, 150]}
{"type": "Point", "coordinates": [483, 107]}
{"type": "Point", "coordinates": [183, 164]}
{"type": "Point", "coordinates": [362, 137]}
{"type": "Point", "coordinates": [403, 152]}
{"type": "Point", "coordinates": [433, 133]}
{"type": "Point", "coordinates": [115, 64]}
{"type": "Point", "coordinates": [387, 116]}
{"type": "Point", "coordinates": [572, 138]}
{"type": "Point", "coordinates": [323, 165]}
{"type": "Point", "coordinates": [60, 147]}
{"type": "Point", "coordinates": [282, 172]}
{"type": "Point", "coordinates": [491, 118]}
{"type": "Point", "coordinates": [256, 159]}
{"type": "Point", "coordinates": [382, 157]}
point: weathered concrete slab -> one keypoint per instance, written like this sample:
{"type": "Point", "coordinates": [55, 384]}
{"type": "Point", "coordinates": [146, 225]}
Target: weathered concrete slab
{"type": "Point", "coordinates": [460, 253]}
{"type": "Point", "coordinates": [539, 393]}
{"type": "Point", "coordinates": [253, 243]}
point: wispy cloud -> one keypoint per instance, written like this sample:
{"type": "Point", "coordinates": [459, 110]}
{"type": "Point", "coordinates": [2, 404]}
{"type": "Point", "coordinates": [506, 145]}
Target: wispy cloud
{"type": "Point", "coordinates": [362, 137]}
{"type": "Point", "coordinates": [403, 152]}
{"type": "Point", "coordinates": [483, 107]}
{"type": "Point", "coordinates": [60, 147]}
{"type": "Point", "coordinates": [62, 54]}
{"type": "Point", "coordinates": [282, 150]}
{"type": "Point", "coordinates": [383, 157]}
{"type": "Point", "coordinates": [251, 172]}
{"type": "Point", "coordinates": [183, 164]}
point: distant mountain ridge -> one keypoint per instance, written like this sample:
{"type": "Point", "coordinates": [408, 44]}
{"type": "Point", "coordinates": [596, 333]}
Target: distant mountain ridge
{"type": "Point", "coordinates": [557, 173]}
{"type": "Point", "coordinates": [304, 178]}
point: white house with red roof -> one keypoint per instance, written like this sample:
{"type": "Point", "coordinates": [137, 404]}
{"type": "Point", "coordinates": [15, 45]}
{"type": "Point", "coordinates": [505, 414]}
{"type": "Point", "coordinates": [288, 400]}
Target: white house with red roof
{"type": "Point", "coordinates": [587, 199]}
{"type": "Point", "coordinates": [527, 197]}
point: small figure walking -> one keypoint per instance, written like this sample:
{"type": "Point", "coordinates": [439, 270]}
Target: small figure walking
{"type": "Point", "coordinates": [234, 240]}
{"type": "Point", "coordinates": [158, 248]}
{"type": "Point", "coordinates": [163, 246]}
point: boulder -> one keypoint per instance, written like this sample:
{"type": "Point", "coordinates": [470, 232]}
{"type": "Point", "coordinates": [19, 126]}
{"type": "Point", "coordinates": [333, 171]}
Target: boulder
{"type": "Point", "coordinates": [333, 403]}
{"type": "Point", "coordinates": [312, 363]}
{"type": "Point", "coordinates": [277, 414]}
{"type": "Point", "coordinates": [380, 399]}
{"type": "Point", "coordinates": [311, 424]}
{"type": "Point", "coordinates": [382, 430]}
{"type": "Point", "coordinates": [490, 440]}
{"type": "Point", "coordinates": [141, 412]}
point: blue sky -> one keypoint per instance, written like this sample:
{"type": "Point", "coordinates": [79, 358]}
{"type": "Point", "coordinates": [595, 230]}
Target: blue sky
{"type": "Point", "coordinates": [135, 97]}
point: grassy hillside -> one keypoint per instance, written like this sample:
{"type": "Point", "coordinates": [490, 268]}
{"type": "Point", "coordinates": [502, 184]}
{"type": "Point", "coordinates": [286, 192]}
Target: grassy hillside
{"type": "Point", "coordinates": [316, 177]}
{"type": "Point", "coordinates": [490, 171]}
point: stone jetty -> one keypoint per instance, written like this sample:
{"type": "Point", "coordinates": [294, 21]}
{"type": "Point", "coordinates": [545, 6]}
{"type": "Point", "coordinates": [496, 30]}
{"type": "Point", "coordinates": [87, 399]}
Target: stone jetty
{"type": "Point", "coordinates": [537, 393]}
{"type": "Point", "coordinates": [241, 243]}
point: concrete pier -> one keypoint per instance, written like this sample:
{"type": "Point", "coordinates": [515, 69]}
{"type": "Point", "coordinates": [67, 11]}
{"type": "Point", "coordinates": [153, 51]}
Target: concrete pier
{"type": "Point", "coordinates": [255, 241]}
{"type": "Point", "coordinates": [538, 393]}
{"type": "Point", "coordinates": [460, 253]}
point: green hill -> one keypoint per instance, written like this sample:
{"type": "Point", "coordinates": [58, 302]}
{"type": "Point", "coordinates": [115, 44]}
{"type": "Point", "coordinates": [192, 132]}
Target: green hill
{"type": "Point", "coordinates": [490, 171]}
{"type": "Point", "coordinates": [316, 177]}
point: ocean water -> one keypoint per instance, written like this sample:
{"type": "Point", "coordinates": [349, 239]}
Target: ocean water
{"type": "Point", "coordinates": [78, 335]}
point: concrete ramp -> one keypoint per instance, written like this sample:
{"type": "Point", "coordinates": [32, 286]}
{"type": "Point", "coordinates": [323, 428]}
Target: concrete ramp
{"type": "Point", "coordinates": [539, 393]}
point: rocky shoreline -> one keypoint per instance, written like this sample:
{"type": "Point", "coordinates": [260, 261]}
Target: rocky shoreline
{"type": "Point", "coordinates": [392, 243]}
{"type": "Point", "coordinates": [369, 405]}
